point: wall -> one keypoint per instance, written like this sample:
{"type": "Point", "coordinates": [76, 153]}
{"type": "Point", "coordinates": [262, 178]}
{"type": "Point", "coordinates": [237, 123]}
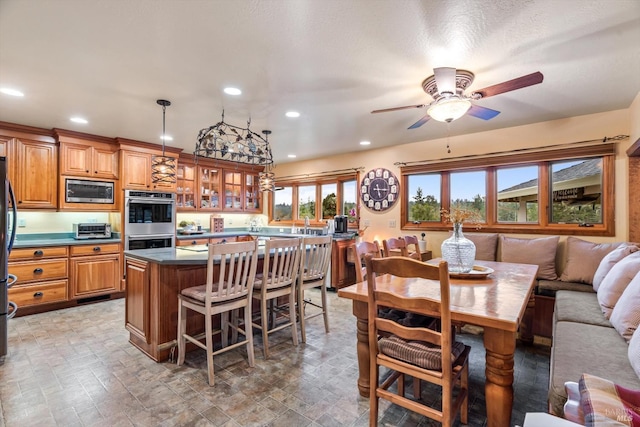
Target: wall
{"type": "Point", "coordinates": [56, 222]}
{"type": "Point", "coordinates": [557, 132]}
{"type": "Point", "coordinates": [634, 173]}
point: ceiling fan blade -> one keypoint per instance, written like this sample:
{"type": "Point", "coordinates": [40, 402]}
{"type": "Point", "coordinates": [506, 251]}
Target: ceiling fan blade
{"type": "Point", "coordinates": [483, 113]}
{"type": "Point", "coordinates": [420, 122]}
{"type": "Point", "coordinates": [384, 110]}
{"type": "Point", "coordinates": [508, 86]}
{"type": "Point", "coordinates": [445, 79]}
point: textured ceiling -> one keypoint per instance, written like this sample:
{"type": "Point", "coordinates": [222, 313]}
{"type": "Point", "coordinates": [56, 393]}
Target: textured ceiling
{"type": "Point", "coordinates": [333, 61]}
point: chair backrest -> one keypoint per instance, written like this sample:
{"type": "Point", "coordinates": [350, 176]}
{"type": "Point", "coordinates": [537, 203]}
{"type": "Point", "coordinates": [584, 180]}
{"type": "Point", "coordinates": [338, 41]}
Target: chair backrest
{"type": "Point", "coordinates": [238, 262]}
{"type": "Point", "coordinates": [395, 247]}
{"type": "Point", "coordinates": [407, 267]}
{"type": "Point", "coordinates": [281, 262]}
{"type": "Point", "coordinates": [413, 247]}
{"type": "Point", "coordinates": [362, 249]}
{"type": "Point", "coordinates": [315, 259]}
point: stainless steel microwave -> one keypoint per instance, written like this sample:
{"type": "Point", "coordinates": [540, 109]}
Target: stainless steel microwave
{"type": "Point", "coordinates": [85, 191]}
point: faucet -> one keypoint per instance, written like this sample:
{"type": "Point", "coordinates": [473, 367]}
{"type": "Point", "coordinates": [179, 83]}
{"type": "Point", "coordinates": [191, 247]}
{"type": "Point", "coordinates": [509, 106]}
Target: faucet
{"type": "Point", "coordinates": [306, 225]}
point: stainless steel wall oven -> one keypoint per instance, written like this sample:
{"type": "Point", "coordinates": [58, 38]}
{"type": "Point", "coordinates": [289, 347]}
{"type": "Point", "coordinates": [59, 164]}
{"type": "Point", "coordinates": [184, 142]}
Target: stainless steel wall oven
{"type": "Point", "coordinates": [150, 219]}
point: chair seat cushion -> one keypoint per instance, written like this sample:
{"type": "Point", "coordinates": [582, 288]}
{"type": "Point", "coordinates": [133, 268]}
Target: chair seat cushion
{"type": "Point", "coordinates": [419, 353]}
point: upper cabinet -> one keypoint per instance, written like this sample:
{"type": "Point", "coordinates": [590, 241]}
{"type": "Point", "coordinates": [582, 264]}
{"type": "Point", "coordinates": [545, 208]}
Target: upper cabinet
{"type": "Point", "coordinates": [135, 165]}
{"type": "Point", "coordinates": [32, 163]}
{"type": "Point", "coordinates": [87, 156]}
{"type": "Point", "coordinates": [217, 186]}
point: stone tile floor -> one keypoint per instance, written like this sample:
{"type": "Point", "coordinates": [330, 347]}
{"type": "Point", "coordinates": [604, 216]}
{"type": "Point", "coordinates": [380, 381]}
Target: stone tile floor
{"type": "Point", "coordinates": [75, 367]}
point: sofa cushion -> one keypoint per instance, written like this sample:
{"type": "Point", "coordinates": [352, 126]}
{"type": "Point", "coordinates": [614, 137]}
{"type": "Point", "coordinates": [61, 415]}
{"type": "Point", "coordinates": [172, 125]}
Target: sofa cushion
{"type": "Point", "coordinates": [486, 245]}
{"type": "Point", "coordinates": [610, 260]}
{"type": "Point", "coordinates": [625, 316]}
{"type": "Point", "coordinates": [583, 259]}
{"type": "Point", "coordinates": [605, 403]}
{"type": "Point", "coordinates": [549, 288]}
{"type": "Point", "coordinates": [541, 252]}
{"type": "Point", "coordinates": [579, 348]}
{"type": "Point", "coordinates": [581, 307]}
{"type": "Point", "coordinates": [634, 351]}
{"type": "Point", "coordinates": [616, 281]}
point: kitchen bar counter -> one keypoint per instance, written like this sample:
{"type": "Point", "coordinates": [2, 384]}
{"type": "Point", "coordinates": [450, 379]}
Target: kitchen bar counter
{"type": "Point", "coordinates": [186, 255]}
{"type": "Point", "coordinates": [262, 233]}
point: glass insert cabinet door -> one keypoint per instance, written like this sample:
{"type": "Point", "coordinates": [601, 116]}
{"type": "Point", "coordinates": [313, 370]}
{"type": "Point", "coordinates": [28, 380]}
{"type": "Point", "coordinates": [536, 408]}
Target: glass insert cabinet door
{"type": "Point", "coordinates": [252, 192]}
{"type": "Point", "coordinates": [209, 188]}
{"type": "Point", "coordinates": [233, 190]}
{"type": "Point", "coordinates": [185, 187]}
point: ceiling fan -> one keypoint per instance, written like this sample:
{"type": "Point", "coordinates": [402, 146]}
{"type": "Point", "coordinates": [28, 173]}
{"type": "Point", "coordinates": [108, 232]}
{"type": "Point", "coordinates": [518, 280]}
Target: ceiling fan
{"type": "Point", "coordinates": [447, 85]}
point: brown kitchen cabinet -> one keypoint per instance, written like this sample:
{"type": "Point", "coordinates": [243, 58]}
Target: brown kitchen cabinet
{"type": "Point", "coordinates": [34, 175]}
{"type": "Point", "coordinates": [343, 272]}
{"type": "Point", "coordinates": [209, 188]}
{"type": "Point", "coordinates": [87, 156]}
{"type": "Point", "coordinates": [135, 165]}
{"type": "Point", "coordinates": [138, 299]}
{"type": "Point", "coordinates": [252, 193]}
{"type": "Point", "coordinates": [95, 270]}
{"type": "Point", "coordinates": [42, 275]}
{"type": "Point", "coordinates": [186, 187]}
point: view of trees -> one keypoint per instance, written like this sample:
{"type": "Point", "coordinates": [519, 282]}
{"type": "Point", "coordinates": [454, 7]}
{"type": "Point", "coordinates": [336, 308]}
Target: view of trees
{"type": "Point", "coordinates": [329, 206]}
{"type": "Point", "coordinates": [424, 208]}
{"type": "Point", "coordinates": [582, 213]}
{"type": "Point", "coordinates": [307, 209]}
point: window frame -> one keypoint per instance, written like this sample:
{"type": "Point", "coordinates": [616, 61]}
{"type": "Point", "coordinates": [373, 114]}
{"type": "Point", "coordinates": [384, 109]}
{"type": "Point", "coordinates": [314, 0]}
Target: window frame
{"type": "Point", "coordinates": [541, 158]}
{"type": "Point", "coordinates": [318, 182]}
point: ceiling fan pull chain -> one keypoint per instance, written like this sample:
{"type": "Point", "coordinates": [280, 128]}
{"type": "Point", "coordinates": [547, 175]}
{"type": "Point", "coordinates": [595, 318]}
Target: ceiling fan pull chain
{"type": "Point", "coordinates": [448, 136]}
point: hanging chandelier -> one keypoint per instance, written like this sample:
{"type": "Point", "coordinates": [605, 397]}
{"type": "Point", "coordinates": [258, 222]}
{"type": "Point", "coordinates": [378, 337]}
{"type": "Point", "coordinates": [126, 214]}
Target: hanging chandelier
{"type": "Point", "coordinates": [163, 168]}
{"type": "Point", "coordinates": [223, 141]}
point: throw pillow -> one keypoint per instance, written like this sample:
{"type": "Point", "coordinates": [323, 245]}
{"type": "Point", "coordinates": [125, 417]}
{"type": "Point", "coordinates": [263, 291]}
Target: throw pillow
{"type": "Point", "coordinates": [616, 281]}
{"type": "Point", "coordinates": [625, 316]}
{"type": "Point", "coordinates": [610, 260]}
{"type": "Point", "coordinates": [606, 403]}
{"type": "Point", "coordinates": [486, 245]}
{"type": "Point", "coordinates": [634, 351]}
{"type": "Point", "coordinates": [583, 259]}
{"type": "Point", "coordinates": [541, 252]}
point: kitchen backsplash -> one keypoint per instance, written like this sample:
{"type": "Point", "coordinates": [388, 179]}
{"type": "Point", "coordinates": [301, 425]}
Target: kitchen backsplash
{"type": "Point", "coordinates": [58, 222]}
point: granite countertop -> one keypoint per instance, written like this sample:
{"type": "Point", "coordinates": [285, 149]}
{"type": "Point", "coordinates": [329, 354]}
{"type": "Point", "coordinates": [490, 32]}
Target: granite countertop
{"type": "Point", "coordinates": [186, 255]}
{"type": "Point", "coordinates": [265, 232]}
{"type": "Point", "coordinates": [58, 239]}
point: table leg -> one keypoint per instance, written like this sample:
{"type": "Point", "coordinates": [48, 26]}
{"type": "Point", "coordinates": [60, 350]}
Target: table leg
{"type": "Point", "coordinates": [360, 310]}
{"type": "Point", "coordinates": [500, 347]}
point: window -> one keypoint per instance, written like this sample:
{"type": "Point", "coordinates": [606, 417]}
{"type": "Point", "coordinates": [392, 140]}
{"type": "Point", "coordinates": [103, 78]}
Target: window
{"type": "Point", "coordinates": [320, 199]}
{"type": "Point", "coordinates": [283, 203]}
{"type": "Point", "coordinates": [562, 191]}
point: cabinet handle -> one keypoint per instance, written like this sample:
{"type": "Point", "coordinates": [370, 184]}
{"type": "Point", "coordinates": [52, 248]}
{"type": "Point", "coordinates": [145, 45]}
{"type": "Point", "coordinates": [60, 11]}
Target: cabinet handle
{"type": "Point", "coordinates": [38, 295]}
{"type": "Point", "coordinates": [96, 249]}
{"type": "Point", "coordinates": [95, 171]}
{"type": "Point", "coordinates": [19, 201]}
{"type": "Point", "coordinates": [194, 242]}
{"type": "Point", "coordinates": [87, 171]}
{"type": "Point", "coordinates": [38, 253]}
{"type": "Point", "coordinates": [38, 271]}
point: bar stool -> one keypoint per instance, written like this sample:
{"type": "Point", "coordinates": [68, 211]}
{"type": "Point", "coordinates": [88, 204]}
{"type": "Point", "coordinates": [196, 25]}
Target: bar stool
{"type": "Point", "coordinates": [314, 267]}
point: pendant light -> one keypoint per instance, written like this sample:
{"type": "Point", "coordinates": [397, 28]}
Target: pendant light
{"type": "Point", "coordinates": [163, 168]}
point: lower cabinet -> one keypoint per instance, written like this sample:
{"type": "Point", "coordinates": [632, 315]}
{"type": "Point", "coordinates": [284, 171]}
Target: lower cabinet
{"type": "Point", "coordinates": [137, 294]}
{"type": "Point", "coordinates": [95, 270]}
{"type": "Point", "coordinates": [343, 271]}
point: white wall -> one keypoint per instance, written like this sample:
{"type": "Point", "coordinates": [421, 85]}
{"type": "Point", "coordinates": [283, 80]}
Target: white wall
{"type": "Point", "coordinates": [56, 222]}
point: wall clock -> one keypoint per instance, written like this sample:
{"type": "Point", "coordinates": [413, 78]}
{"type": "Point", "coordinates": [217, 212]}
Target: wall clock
{"type": "Point", "coordinates": [379, 189]}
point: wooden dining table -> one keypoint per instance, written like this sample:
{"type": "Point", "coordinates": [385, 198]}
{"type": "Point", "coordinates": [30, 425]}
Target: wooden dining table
{"type": "Point", "coordinates": [496, 302]}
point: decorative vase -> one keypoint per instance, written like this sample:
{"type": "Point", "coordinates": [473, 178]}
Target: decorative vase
{"type": "Point", "coordinates": [459, 251]}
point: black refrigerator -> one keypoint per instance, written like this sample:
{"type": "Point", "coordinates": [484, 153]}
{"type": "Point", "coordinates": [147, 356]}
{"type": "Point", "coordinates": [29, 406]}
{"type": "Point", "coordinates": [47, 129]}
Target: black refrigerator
{"type": "Point", "coordinates": [7, 308]}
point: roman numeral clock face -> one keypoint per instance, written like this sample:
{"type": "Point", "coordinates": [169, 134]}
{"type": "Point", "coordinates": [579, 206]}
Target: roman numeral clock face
{"type": "Point", "coordinates": [379, 189]}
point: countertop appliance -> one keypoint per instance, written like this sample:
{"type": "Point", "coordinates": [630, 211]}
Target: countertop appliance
{"type": "Point", "coordinates": [83, 231]}
{"type": "Point", "coordinates": [341, 223]}
{"type": "Point", "coordinates": [86, 191]}
{"type": "Point", "coordinates": [7, 308]}
{"type": "Point", "coordinates": [149, 219]}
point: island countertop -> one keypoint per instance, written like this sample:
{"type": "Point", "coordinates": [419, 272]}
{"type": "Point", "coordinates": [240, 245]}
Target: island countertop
{"type": "Point", "coordinates": [181, 255]}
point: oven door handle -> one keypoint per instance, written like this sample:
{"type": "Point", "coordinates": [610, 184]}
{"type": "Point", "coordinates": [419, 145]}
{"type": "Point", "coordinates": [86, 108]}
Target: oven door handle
{"type": "Point", "coordinates": [151, 201]}
{"type": "Point", "coordinates": [148, 236]}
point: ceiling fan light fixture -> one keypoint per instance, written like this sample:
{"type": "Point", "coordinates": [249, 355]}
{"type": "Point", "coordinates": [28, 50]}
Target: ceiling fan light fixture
{"type": "Point", "coordinates": [448, 109]}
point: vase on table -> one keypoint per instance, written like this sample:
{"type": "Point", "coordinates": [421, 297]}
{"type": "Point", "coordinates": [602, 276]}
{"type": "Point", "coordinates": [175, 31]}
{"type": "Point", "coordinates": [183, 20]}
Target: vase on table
{"type": "Point", "coordinates": [458, 251]}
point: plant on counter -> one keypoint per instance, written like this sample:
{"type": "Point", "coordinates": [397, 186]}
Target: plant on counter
{"type": "Point", "coordinates": [354, 218]}
{"type": "Point", "coordinates": [187, 224]}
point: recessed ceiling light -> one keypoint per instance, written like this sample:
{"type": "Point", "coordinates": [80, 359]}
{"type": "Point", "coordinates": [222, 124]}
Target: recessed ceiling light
{"type": "Point", "coordinates": [166, 137]}
{"type": "Point", "coordinates": [365, 142]}
{"type": "Point", "coordinates": [79, 120]}
{"type": "Point", "coordinates": [291, 156]}
{"type": "Point", "coordinates": [12, 92]}
{"type": "Point", "coordinates": [292, 114]}
{"type": "Point", "coordinates": [232, 91]}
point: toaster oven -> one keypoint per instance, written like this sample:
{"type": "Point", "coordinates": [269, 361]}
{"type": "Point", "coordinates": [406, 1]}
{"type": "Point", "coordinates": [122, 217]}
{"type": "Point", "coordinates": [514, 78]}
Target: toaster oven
{"type": "Point", "coordinates": [91, 231]}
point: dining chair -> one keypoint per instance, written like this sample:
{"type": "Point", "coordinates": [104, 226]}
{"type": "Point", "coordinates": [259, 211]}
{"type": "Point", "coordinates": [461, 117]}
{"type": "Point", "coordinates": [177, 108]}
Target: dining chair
{"type": "Point", "coordinates": [422, 353]}
{"type": "Point", "coordinates": [314, 267]}
{"type": "Point", "coordinates": [231, 290]}
{"type": "Point", "coordinates": [277, 279]}
{"type": "Point", "coordinates": [395, 246]}
{"type": "Point", "coordinates": [362, 249]}
{"type": "Point", "coordinates": [413, 247]}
